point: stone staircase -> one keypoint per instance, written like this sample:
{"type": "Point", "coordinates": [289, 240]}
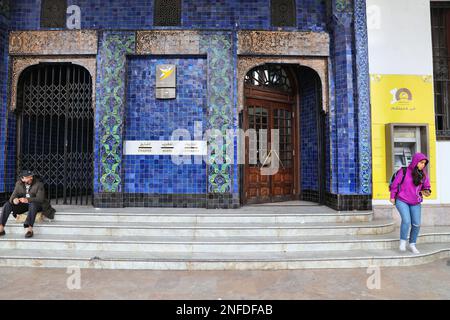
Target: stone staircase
{"type": "Point", "coordinates": [253, 237]}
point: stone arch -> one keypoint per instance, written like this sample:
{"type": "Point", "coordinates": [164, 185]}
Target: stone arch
{"type": "Point", "coordinates": [319, 65]}
{"type": "Point", "coordinates": [20, 64]}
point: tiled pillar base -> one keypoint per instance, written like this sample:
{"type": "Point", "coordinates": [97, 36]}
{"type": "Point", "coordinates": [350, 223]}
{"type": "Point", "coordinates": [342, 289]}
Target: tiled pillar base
{"type": "Point", "coordinates": [342, 202]}
{"type": "Point", "coordinates": [211, 201]}
{"type": "Point", "coordinates": [309, 195]}
{"type": "Point", "coordinates": [164, 200]}
{"type": "Point", "coordinates": [223, 201]}
{"type": "Point", "coordinates": [108, 200]}
{"type": "Point", "coordinates": [4, 196]}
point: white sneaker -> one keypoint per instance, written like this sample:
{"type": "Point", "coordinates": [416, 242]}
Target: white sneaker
{"type": "Point", "coordinates": [402, 245]}
{"type": "Point", "coordinates": [412, 247]}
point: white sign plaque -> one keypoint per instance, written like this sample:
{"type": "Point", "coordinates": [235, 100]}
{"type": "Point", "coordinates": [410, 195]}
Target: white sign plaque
{"type": "Point", "coordinates": [165, 147]}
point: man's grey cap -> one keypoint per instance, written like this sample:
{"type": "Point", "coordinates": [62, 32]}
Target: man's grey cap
{"type": "Point", "coordinates": [26, 173]}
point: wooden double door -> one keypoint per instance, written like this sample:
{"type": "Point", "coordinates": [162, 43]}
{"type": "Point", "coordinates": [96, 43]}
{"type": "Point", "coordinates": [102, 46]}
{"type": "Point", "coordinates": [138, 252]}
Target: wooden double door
{"type": "Point", "coordinates": [265, 181]}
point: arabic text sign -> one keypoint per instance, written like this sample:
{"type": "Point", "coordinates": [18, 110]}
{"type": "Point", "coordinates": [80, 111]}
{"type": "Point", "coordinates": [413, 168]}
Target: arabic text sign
{"type": "Point", "coordinates": [165, 147]}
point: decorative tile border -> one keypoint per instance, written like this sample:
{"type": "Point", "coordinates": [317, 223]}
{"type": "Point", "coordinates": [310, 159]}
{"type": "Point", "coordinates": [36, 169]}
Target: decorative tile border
{"type": "Point", "coordinates": [53, 42]}
{"type": "Point", "coordinates": [110, 107]}
{"type": "Point", "coordinates": [220, 106]}
{"type": "Point", "coordinates": [19, 64]}
{"type": "Point", "coordinates": [343, 5]}
{"type": "Point", "coordinates": [283, 43]}
{"type": "Point", "coordinates": [364, 117]}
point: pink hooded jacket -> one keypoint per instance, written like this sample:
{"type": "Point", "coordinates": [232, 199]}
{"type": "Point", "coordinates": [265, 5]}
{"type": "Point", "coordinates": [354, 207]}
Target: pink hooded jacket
{"type": "Point", "coordinates": [409, 192]}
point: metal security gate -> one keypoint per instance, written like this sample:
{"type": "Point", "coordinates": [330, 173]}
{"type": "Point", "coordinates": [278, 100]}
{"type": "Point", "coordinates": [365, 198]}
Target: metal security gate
{"type": "Point", "coordinates": [55, 126]}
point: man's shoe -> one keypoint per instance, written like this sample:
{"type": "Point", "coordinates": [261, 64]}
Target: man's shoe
{"type": "Point", "coordinates": [29, 234]}
{"type": "Point", "coordinates": [2, 233]}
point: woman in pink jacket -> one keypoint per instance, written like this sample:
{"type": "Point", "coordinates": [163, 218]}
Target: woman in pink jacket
{"type": "Point", "coordinates": [407, 197]}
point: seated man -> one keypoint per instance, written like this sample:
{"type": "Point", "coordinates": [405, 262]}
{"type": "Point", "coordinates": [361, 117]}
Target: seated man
{"type": "Point", "coordinates": [28, 195]}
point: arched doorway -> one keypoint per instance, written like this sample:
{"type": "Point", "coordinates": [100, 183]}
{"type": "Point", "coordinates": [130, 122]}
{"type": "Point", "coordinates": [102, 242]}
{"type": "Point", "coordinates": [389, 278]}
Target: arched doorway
{"type": "Point", "coordinates": [312, 135]}
{"type": "Point", "coordinates": [270, 99]}
{"type": "Point", "coordinates": [55, 129]}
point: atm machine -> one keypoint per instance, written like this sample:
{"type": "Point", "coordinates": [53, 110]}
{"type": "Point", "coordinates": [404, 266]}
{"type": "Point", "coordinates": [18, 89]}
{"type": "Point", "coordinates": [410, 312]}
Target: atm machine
{"type": "Point", "coordinates": [403, 140]}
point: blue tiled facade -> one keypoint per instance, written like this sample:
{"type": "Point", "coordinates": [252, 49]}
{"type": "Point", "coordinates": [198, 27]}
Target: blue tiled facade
{"type": "Point", "coordinates": [201, 14]}
{"type": "Point", "coordinates": [309, 168]}
{"type": "Point", "coordinates": [342, 111]}
{"type": "Point", "coordinates": [147, 118]}
{"type": "Point", "coordinates": [4, 23]}
{"type": "Point", "coordinates": [126, 108]}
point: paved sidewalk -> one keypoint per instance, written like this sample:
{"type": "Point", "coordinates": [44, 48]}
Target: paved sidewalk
{"type": "Point", "coordinates": [429, 281]}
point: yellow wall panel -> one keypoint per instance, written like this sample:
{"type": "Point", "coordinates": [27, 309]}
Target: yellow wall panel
{"type": "Point", "coordinates": [400, 99]}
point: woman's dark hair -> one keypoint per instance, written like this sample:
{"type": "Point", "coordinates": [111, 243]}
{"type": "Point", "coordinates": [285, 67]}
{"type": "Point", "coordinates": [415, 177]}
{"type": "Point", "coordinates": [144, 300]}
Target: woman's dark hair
{"type": "Point", "coordinates": [418, 176]}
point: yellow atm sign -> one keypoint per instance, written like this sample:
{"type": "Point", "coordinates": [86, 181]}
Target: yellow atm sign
{"type": "Point", "coordinates": [400, 99]}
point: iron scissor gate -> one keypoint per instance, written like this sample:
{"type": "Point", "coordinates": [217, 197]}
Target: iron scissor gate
{"type": "Point", "coordinates": [55, 130]}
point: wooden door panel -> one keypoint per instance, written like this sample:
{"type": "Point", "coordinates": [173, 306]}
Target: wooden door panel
{"type": "Point", "coordinates": [278, 191]}
{"type": "Point", "coordinates": [288, 177]}
{"type": "Point", "coordinates": [265, 191]}
{"type": "Point", "coordinates": [265, 114]}
{"type": "Point", "coordinates": [283, 180]}
{"type": "Point", "coordinates": [278, 178]}
{"type": "Point", "coordinates": [252, 193]}
{"type": "Point", "coordinates": [253, 178]}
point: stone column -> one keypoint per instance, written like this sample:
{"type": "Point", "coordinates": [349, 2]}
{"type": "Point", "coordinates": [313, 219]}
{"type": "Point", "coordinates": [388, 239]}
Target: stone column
{"type": "Point", "coordinates": [348, 138]}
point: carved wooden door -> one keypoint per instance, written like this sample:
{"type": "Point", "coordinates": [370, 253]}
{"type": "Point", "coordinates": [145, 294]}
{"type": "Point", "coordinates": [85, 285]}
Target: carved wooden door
{"type": "Point", "coordinates": [270, 176]}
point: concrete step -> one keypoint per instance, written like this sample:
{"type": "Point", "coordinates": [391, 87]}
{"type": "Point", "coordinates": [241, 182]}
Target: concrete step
{"type": "Point", "coordinates": [206, 229]}
{"type": "Point", "coordinates": [202, 216]}
{"type": "Point", "coordinates": [222, 260]}
{"type": "Point", "coordinates": [216, 244]}
{"type": "Point", "coordinates": [248, 214]}
{"type": "Point", "coordinates": [252, 209]}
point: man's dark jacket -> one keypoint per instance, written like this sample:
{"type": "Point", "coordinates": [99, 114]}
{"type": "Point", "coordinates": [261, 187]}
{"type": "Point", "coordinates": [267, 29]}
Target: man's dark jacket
{"type": "Point", "coordinates": [37, 194]}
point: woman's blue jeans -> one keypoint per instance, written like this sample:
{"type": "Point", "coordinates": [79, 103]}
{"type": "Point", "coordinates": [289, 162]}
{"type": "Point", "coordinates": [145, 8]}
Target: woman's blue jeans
{"type": "Point", "coordinates": [410, 215]}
